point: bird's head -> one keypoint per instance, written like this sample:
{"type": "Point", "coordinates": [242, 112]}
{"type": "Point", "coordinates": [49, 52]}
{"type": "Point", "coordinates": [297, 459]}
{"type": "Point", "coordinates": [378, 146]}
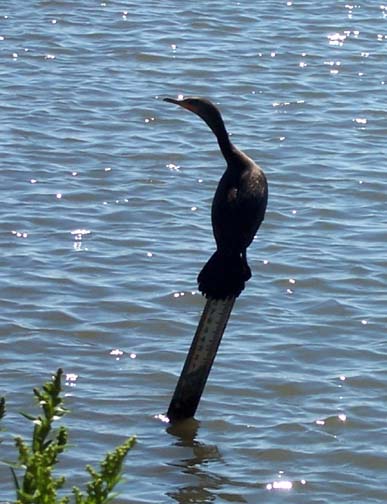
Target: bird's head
{"type": "Point", "coordinates": [200, 106]}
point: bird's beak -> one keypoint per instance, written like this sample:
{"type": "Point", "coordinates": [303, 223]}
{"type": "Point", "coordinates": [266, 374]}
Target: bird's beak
{"type": "Point", "coordinates": [180, 101]}
{"type": "Point", "coordinates": [173, 100]}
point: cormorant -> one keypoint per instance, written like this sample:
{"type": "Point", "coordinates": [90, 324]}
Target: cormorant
{"type": "Point", "coordinates": [238, 208]}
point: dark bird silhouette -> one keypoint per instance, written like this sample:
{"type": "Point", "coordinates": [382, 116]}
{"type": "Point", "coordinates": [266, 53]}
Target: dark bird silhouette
{"type": "Point", "coordinates": [238, 208]}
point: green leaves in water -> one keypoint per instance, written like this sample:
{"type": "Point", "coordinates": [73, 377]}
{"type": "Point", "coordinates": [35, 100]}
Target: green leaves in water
{"type": "Point", "coordinates": [38, 485]}
{"type": "Point", "coordinates": [99, 490]}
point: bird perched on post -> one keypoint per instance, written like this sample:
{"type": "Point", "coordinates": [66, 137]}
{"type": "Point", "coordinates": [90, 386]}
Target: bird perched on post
{"type": "Point", "coordinates": [238, 208]}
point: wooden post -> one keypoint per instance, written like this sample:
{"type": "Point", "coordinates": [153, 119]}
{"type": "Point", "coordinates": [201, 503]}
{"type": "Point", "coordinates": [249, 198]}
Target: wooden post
{"type": "Point", "coordinates": [200, 358]}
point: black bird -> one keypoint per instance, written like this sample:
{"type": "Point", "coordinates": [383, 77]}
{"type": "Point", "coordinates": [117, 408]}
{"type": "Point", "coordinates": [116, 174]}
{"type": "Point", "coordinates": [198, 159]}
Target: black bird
{"type": "Point", "coordinates": [238, 208]}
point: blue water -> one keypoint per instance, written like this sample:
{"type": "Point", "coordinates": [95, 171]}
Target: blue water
{"type": "Point", "coordinates": [105, 223]}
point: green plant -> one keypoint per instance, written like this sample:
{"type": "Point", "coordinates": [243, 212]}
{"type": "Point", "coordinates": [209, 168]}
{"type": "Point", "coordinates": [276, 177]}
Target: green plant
{"type": "Point", "coordinates": [38, 485]}
{"type": "Point", "coordinates": [103, 482]}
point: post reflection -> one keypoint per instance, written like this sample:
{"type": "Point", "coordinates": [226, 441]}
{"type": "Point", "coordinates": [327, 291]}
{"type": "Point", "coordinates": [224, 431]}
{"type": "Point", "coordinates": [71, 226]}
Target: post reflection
{"type": "Point", "coordinates": [205, 486]}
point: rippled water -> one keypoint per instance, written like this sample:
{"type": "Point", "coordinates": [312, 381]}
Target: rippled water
{"type": "Point", "coordinates": [106, 194]}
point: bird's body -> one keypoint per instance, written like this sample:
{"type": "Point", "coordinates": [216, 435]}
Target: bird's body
{"type": "Point", "coordinates": [238, 209]}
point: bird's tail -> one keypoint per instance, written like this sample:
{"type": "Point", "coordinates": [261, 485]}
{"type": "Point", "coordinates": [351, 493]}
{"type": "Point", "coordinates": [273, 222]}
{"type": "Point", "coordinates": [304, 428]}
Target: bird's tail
{"type": "Point", "coordinates": [224, 275]}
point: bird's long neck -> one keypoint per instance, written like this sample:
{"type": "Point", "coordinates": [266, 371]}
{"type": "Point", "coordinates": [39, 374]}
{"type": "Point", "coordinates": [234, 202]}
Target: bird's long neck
{"type": "Point", "coordinates": [217, 126]}
{"type": "Point", "coordinates": [225, 145]}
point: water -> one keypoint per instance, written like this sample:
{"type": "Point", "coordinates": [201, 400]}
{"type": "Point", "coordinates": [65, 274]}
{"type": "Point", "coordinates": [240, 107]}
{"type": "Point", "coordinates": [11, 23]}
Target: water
{"type": "Point", "coordinates": [105, 223]}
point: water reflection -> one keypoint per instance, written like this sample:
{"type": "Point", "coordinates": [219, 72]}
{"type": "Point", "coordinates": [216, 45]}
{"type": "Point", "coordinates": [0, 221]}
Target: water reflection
{"type": "Point", "coordinates": [208, 484]}
{"type": "Point", "coordinates": [185, 431]}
